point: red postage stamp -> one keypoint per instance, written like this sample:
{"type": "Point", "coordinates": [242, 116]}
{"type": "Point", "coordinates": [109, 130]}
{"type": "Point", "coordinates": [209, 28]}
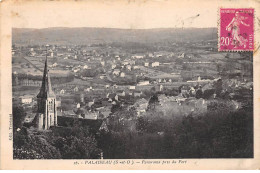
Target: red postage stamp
{"type": "Point", "coordinates": [236, 29]}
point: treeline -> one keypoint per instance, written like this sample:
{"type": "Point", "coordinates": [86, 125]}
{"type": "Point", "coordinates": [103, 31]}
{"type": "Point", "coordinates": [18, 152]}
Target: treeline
{"type": "Point", "coordinates": [54, 79]}
{"type": "Point", "coordinates": [221, 132]}
{"type": "Point", "coordinates": [60, 143]}
{"type": "Point", "coordinates": [92, 72]}
{"type": "Point", "coordinates": [217, 134]}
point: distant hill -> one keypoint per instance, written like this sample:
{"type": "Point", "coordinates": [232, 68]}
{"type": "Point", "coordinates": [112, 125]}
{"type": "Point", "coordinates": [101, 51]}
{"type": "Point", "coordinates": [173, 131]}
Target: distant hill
{"type": "Point", "coordinates": [68, 36]}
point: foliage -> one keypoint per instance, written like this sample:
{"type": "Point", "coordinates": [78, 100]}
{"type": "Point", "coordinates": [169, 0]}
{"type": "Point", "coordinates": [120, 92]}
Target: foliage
{"type": "Point", "coordinates": [218, 86]}
{"type": "Point", "coordinates": [55, 79]}
{"type": "Point", "coordinates": [153, 102]}
{"type": "Point", "coordinates": [222, 132]}
{"type": "Point", "coordinates": [18, 117]}
{"type": "Point", "coordinates": [65, 143]}
{"type": "Point", "coordinates": [89, 73]}
{"type": "Point", "coordinates": [28, 145]}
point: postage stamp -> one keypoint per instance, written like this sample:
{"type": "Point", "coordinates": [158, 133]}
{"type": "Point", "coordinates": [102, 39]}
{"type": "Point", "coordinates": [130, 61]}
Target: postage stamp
{"type": "Point", "coordinates": [236, 29]}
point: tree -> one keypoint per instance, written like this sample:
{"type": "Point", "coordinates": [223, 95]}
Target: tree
{"type": "Point", "coordinates": [199, 94]}
{"type": "Point", "coordinates": [152, 102]}
{"type": "Point", "coordinates": [76, 142]}
{"type": "Point", "coordinates": [141, 124]}
{"type": "Point", "coordinates": [28, 145]}
{"type": "Point", "coordinates": [218, 86]}
{"type": "Point", "coordinates": [61, 143]}
{"type": "Point", "coordinates": [18, 117]}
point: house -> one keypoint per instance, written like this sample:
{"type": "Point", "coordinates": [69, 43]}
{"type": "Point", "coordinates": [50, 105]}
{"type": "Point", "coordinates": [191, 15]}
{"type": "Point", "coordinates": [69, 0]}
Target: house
{"type": "Point", "coordinates": [129, 67]}
{"type": "Point", "coordinates": [190, 56]}
{"type": "Point", "coordinates": [155, 64]}
{"type": "Point", "coordinates": [90, 115]}
{"type": "Point", "coordinates": [122, 74]}
{"type": "Point", "coordinates": [116, 72]}
{"type": "Point", "coordinates": [102, 76]}
{"type": "Point", "coordinates": [146, 64]}
{"type": "Point", "coordinates": [54, 64]}
{"type": "Point", "coordinates": [138, 93]}
{"type": "Point", "coordinates": [150, 55]}
{"type": "Point", "coordinates": [76, 70]}
{"type": "Point", "coordinates": [115, 86]}
{"type": "Point", "coordinates": [91, 103]}
{"type": "Point", "coordinates": [113, 66]}
{"type": "Point", "coordinates": [103, 127]}
{"type": "Point", "coordinates": [208, 86]}
{"type": "Point", "coordinates": [58, 102]}
{"type": "Point", "coordinates": [105, 111]}
{"type": "Point", "coordinates": [180, 99]}
{"type": "Point", "coordinates": [142, 83]}
{"type": "Point", "coordinates": [102, 63]}
{"type": "Point", "coordinates": [112, 97]}
{"type": "Point", "coordinates": [181, 55]}
{"type": "Point", "coordinates": [136, 67]}
{"type": "Point", "coordinates": [192, 91]}
{"type": "Point", "coordinates": [141, 106]}
{"type": "Point", "coordinates": [69, 113]}
{"type": "Point", "coordinates": [161, 87]}
{"type": "Point", "coordinates": [62, 91]}
{"type": "Point", "coordinates": [76, 89]}
{"type": "Point", "coordinates": [138, 56]}
{"type": "Point", "coordinates": [158, 55]}
{"type": "Point", "coordinates": [26, 99]}
{"type": "Point", "coordinates": [87, 89]}
{"type": "Point", "coordinates": [121, 93]}
{"type": "Point", "coordinates": [184, 89]}
{"type": "Point", "coordinates": [132, 87]}
{"type": "Point", "coordinates": [85, 67]}
{"type": "Point", "coordinates": [131, 62]}
{"type": "Point", "coordinates": [125, 62]}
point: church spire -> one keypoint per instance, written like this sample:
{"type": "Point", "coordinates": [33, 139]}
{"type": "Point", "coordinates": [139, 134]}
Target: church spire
{"type": "Point", "coordinates": [46, 89]}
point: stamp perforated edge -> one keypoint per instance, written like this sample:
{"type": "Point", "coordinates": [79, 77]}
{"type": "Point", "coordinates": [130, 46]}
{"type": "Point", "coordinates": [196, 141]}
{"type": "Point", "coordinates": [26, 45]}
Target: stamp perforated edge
{"type": "Point", "coordinates": [237, 50]}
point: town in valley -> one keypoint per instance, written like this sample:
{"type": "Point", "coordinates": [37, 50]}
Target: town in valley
{"type": "Point", "coordinates": [137, 98]}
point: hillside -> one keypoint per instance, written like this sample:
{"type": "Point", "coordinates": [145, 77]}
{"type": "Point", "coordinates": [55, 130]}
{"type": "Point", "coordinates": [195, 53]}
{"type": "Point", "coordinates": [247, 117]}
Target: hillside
{"type": "Point", "coordinates": [67, 36]}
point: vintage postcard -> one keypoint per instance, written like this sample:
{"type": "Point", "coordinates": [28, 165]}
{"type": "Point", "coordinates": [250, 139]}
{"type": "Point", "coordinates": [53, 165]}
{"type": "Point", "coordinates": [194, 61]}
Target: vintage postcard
{"type": "Point", "coordinates": [115, 84]}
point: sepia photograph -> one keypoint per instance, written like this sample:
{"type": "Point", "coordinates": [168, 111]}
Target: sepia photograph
{"type": "Point", "coordinates": [89, 93]}
{"type": "Point", "coordinates": [115, 83]}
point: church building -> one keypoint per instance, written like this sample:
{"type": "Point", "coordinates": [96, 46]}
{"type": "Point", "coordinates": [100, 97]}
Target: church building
{"type": "Point", "coordinates": [46, 103]}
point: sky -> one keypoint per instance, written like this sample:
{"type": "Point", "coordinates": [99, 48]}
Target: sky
{"type": "Point", "coordinates": [138, 14]}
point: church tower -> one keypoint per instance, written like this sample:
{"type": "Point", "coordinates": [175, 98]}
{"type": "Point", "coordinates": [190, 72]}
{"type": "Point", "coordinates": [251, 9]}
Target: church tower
{"type": "Point", "coordinates": [46, 103]}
